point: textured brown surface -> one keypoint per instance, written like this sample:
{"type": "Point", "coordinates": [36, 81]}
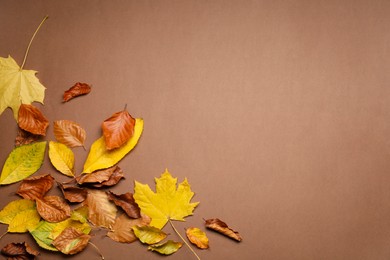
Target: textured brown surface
{"type": "Point", "coordinates": [277, 112]}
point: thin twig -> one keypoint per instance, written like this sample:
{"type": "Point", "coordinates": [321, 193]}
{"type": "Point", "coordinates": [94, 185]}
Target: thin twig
{"type": "Point", "coordinates": [97, 249]}
{"type": "Point", "coordinates": [192, 250]}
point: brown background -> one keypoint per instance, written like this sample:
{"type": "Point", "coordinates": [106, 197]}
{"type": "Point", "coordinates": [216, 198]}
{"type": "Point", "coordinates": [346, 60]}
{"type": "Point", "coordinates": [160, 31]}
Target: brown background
{"type": "Point", "coordinates": [277, 112]}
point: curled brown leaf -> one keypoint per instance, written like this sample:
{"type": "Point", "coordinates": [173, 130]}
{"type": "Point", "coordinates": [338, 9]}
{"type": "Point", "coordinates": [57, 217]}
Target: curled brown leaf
{"type": "Point", "coordinates": [76, 90]}
{"type": "Point", "coordinates": [118, 129]}
{"type": "Point", "coordinates": [73, 194]}
{"type": "Point", "coordinates": [20, 251]}
{"type": "Point", "coordinates": [222, 228]}
{"type": "Point", "coordinates": [35, 187]}
{"type": "Point", "coordinates": [23, 137]}
{"type": "Point", "coordinates": [106, 177]}
{"type": "Point", "coordinates": [71, 241]}
{"type": "Point", "coordinates": [127, 203]}
{"type": "Point", "coordinates": [32, 120]}
{"type": "Point", "coordinates": [53, 208]}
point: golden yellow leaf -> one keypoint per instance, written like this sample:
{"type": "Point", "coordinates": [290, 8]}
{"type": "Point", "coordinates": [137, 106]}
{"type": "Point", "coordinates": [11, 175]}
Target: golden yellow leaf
{"type": "Point", "coordinates": [166, 248]}
{"type": "Point", "coordinates": [168, 203]}
{"type": "Point", "coordinates": [100, 158]}
{"type": "Point", "coordinates": [62, 158]}
{"type": "Point", "coordinates": [197, 237]}
{"type": "Point", "coordinates": [148, 234]}
{"type": "Point", "coordinates": [20, 215]}
{"type": "Point", "coordinates": [13, 208]}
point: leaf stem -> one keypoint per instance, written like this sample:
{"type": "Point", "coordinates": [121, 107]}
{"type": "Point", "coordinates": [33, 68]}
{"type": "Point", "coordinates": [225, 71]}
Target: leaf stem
{"type": "Point", "coordinates": [32, 38]}
{"type": "Point", "coordinates": [97, 249]}
{"type": "Point", "coordinates": [188, 245]}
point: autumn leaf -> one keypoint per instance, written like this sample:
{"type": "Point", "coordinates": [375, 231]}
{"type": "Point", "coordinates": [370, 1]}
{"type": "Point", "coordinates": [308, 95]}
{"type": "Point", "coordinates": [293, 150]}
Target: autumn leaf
{"type": "Point", "coordinates": [62, 158]}
{"type": "Point", "coordinates": [122, 230]}
{"type": "Point", "coordinates": [148, 234]}
{"type": "Point", "coordinates": [102, 212]}
{"type": "Point", "coordinates": [73, 194]}
{"type": "Point", "coordinates": [168, 203]}
{"type": "Point", "coordinates": [100, 158]}
{"type": "Point", "coordinates": [166, 248]}
{"type": "Point", "coordinates": [98, 177]}
{"type": "Point", "coordinates": [197, 237]}
{"type": "Point", "coordinates": [116, 176]}
{"type": "Point", "coordinates": [71, 241]}
{"type": "Point", "coordinates": [22, 162]}
{"type": "Point", "coordinates": [23, 137]}
{"type": "Point", "coordinates": [76, 90]}
{"type": "Point", "coordinates": [18, 86]}
{"type": "Point", "coordinates": [35, 187]}
{"type": "Point", "coordinates": [53, 208]}
{"type": "Point", "coordinates": [127, 203]}
{"type": "Point", "coordinates": [19, 251]}
{"type": "Point", "coordinates": [20, 215]}
{"type": "Point", "coordinates": [69, 133]}
{"type": "Point", "coordinates": [221, 227]}
{"type": "Point", "coordinates": [32, 120]}
{"type": "Point", "coordinates": [118, 129]}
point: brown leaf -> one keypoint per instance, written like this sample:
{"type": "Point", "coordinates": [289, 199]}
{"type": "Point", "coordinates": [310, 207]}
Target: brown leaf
{"type": "Point", "coordinates": [32, 120]}
{"type": "Point", "coordinates": [71, 241]}
{"type": "Point", "coordinates": [100, 176]}
{"type": "Point", "coordinates": [116, 176]}
{"type": "Point", "coordinates": [76, 90]}
{"type": "Point", "coordinates": [53, 208]}
{"type": "Point", "coordinates": [23, 137]}
{"type": "Point", "coordinates": [69, 133]}
{"type": "Point", "coordinates": [118, 129]}
{"type": "Point", "coordinates": [35, 187]}
{"type": "Point", "coordinates": [73, 194]}
{"type": "Point", "coordinates": [101, 212]}
{"type": "Point", "coordinates": [16, 251]}
{"type": "Point", "coordinates": [127, 203]}
{"type": "Point", "coordinates": [122, 230]}
{"type": "Point", "coordinates": [221, 227]}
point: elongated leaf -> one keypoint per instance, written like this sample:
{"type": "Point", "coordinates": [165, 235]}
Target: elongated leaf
{"type": "Point", "coordinates": [35, 187]}
{"type": "Point", "coordinates": [122, 230]}
{"type": "Point", "coordinates": [100, 158]}
{"type": "Point", "coordinates": [222, 228]}
{"type": "Point", "coordinates": [53, 208]}
{"type": "Point", "coordinates": [62, 158]}
{"type": "Point", "coordinates": [118, 129]}
{"type": "Point", "coordinates": [32, 120]}
{"type": "Point", "coordinates": [71, 241]}
{"type": "Point", "coordinates": [69, 133]}
{"type": "Point", "coordinates": [102, 212]}
{"type": "Point", "coordinates": [197, 237]}
{"type": "Point", "coordinates": [22, 162]}
{"type": "Point", "coordinates": [166, 248]}
{"type": "Point", "coordinates": [148, 234]}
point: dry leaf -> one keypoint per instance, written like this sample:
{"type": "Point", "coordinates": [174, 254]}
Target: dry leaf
{"type": "Point", "coordinates": [166, 248]}
{"type": "Point", "coordinates": [127, 203]}
{"type": "Point", "coordinates": [53, 208]}
{"type": "Point", "coordinates": [122, 230]}
{"type": "Point", "coordinates": [76, 90]}
{"type": "Point", "coordinates": [98, 177]}
{"type": "Point", "coordinates": [116, 176]}
{"type": "Point", "coordinates": [221, 227]}
{"type": "Point", "coordinates": [24, 137]}
{"type": "Point", "coordinates": [101, 212]}
{"type": "Point", "coordinates": [197, 237]}
{"type": "Point", "coordinates": [69, 133]}
{"type": "Point", "coordinates": [32, 120]}
{"type": "Point", "coordinates": [19, 251]}
{"type": "Point", "coordinates": [118, 129]}
{"type": "Point", "coordinates": [73, 194]}
{"type": "Point", "coordinates": [149, 235]}
{"type": "Point", "coordinates": [71, 241]}
{"type": "Point", "coordinates": [35, 187]}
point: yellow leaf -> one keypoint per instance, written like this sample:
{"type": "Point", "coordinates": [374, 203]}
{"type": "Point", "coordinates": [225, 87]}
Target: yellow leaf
{"type": "Point", "coordinates": [62, 158]}
{"type": "Point", "coordinates": [24, 220]}
{"type": "Point", "coordinates": [167, 203]}
{"type": "Point", "coordinates": [100, 158]}
{"type": "Point", "coordinates": [18, 86]}
{"type": "Point", "coordinates": [149, 235]}
{"type": "Point", "coordinates": [197, 237]}
{"type": "Point", "coordinates": [166, 248]}
{"type": "Point", "coordinates": [8, 213]}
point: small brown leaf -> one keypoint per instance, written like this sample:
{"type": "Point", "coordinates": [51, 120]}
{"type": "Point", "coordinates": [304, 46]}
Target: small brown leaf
{"type": "Point", "coordinates": [127, 203]}
{"type": "Point", "coordinates": [71, 241]}
{"type": "Point", "coordinates": [73, 194]}
{"type": "Point", "coordinates": [221, 227]}
{"type": "Point", "coordinates": [99, 177]}
{"type": "Point", "coordinates": [76, 90]}
{"type": "Point", "coordinates": [122, 230]}
{"type": "Point", "coordinates": [53, 208]}
{"type": "Point", "coordinates": [197, 237]}
{"type": "Point", "coordinates": [23, 137]}
{"type": "Point", "coordinates": [116, 176]}
{"type": "Point", "coordinates": [32, 120]}
{"type": "Point", "coordinates": [16, 251]}
{"type": "Point", "coordinates": [118, 129]}
{"type": "Point", "coordinates": [35, 187]}
{"type": "Point", "coordinates": [69, 133]}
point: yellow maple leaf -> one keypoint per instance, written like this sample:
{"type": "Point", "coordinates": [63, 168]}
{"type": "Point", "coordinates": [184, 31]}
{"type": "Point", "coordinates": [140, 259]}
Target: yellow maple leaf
{"type": "Point", "coordinates": [168, 203]}
{"type": "Point", "coordinates": [18, 86]}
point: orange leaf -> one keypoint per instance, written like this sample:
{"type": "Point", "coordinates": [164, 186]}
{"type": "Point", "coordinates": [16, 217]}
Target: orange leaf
{"type": "Point", "coordinates": [69, 133]}
{"type": "Point", "coordinates": [71, 241]}
{"type": "Point", "coordinates": [197, 237]}
{"type": "Point", "coordinates": [76, 90]}
{"type": "Point", "coordinates": [32, 120]}
{"type": "Point", "coordinates": [127, 203]}
{"type": "Point", "coordinates": [221, 227]}
{"type": "Point", "coordinates": [122, 230]}
{"type": "Point", "coordinates": [35, 187]}
{"type": "Point", "coordinates": [53, 208]}
{"type": "Point", "coordinates": [118, 129]}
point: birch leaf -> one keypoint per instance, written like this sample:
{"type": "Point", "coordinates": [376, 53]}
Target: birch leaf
{"type": "Point", "coordinates": [22, 162]}
{"type": "Point", "coordinates": [18, 86]}
{"type": "Point", "coordinates": [166, 248]}
{"type": "Point", "coordinates": [148, 234]}
{"type": "Point", "coordinates": [118, 129]}
{"type": "Point", "coordinates": [32, 120]}
{"type": "Point", "coordinates": [197, 237]}
{"type": "Point", "coordinates": [62, 158]}
{"type": "Point", "coordinates": [69, 133]}
{"type": "Point", "coordinates": [168, 202]}
{"type": "Point", "coordinates": [100, 158]}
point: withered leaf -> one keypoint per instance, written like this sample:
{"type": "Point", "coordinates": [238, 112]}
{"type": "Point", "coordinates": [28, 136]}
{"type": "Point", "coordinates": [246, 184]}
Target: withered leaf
{"type": "Point", "coordinates": [122, 230]}
{"type": "Point", "coordinates": [76, 90]}
{"type": "Point", "coordinates": [16, 251]}
{"type": "Point", "coordinates": [166, 248]}
{"type": "Point", "coordinates": [23, 137]}
{"type": "Point", "coordinates": [197, 237]}
{"type": "Point", "coordinates": [71, 241]}
{"type": "Point", "coordinates": [69, 133]}
{"type": "Point", "coordinates": [221, 227]}
{"type": "Point", "coordinates": [116, 176]}
{"type": "Point", "coordinates": [35, 187]}
{"type": "Point", "coordinates": [32, 120]}
{"type": "Point", "coordinates": [118, 129]}
{"type": "Point", "coordinates": [101, 212]}
{"type": "Point", "coordinates": [127, 203]}
{"type": "Point", "coordinates": [53, 208]}
{"type": "Point", "coordinates": [101, 176]}
{"type": "Point", "coordinates": [73, 194]}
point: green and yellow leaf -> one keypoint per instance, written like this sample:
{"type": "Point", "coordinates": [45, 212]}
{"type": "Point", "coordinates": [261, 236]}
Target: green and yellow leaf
{"type": "Point", "coordinates": [166, 248]}
{"type": "Point", "coordinates": [148, 234]}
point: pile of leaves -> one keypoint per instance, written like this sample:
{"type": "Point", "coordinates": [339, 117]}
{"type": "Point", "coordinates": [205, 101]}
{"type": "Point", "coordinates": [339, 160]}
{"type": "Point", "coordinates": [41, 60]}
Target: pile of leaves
{"type": "Point", "coordinates": [64, 223]}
